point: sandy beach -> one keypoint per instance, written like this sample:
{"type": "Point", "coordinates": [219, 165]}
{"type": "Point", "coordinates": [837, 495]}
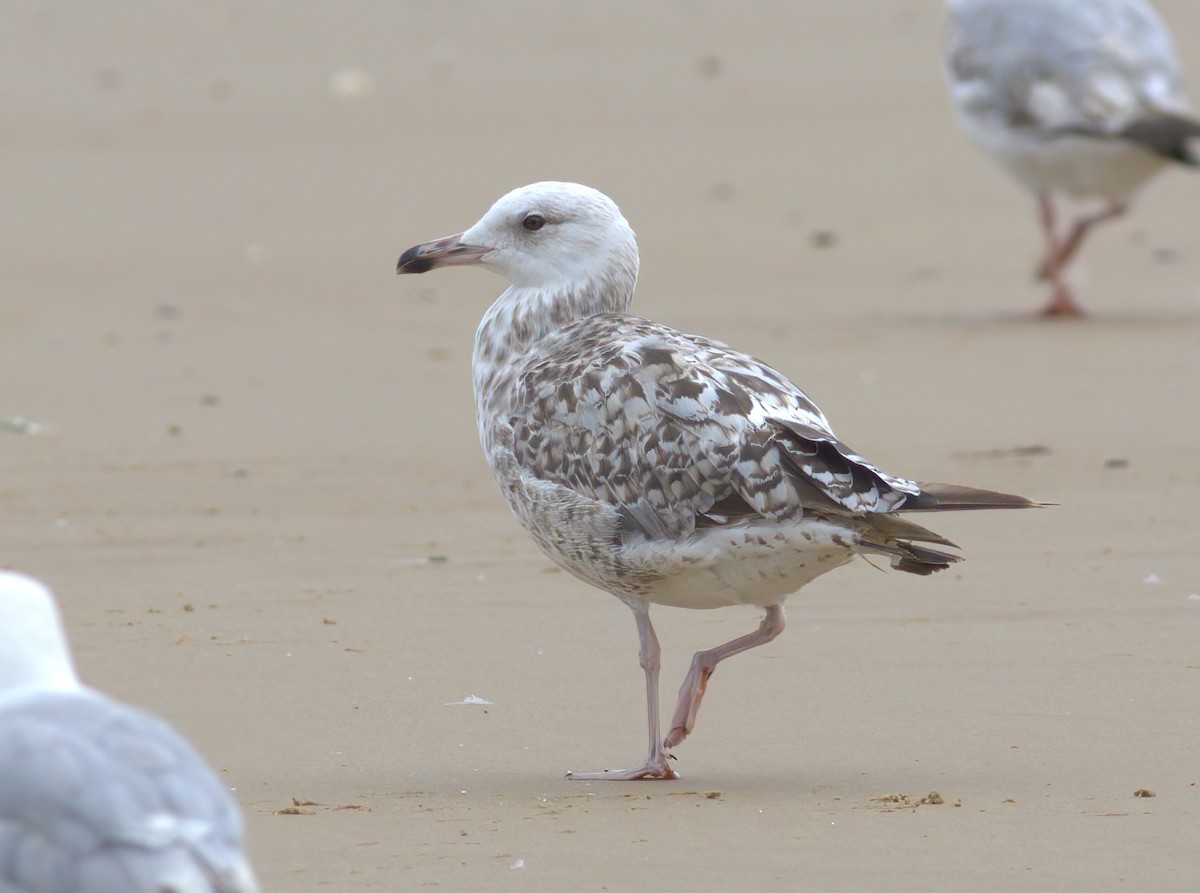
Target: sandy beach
{"type": "Point", "coordinates": [242, 451]}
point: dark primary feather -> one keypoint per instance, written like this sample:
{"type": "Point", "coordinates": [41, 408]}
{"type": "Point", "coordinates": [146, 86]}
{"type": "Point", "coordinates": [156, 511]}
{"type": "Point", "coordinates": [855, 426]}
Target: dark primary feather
{"type": "Point", "coordinates": [899, 532]}
{"type": "Point", "coordinates": [1171, 136]}
{"type": "Point", "coordinates": [835, 473]}
{"type": "Point", "coordinates": [957, 498]}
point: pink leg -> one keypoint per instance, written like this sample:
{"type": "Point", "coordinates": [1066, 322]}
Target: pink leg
{"type": "Point", "coordinates": [1082, 227]}
{"type": "Point", "coordinates": [1048, 217]}
{"type": "Point", "coordinates": [1062, 299]}
{"type": "Point", "coordinates": [703, 664]}
{"type": "Point", "coordinates": [1062, 302]}
{"type": "Point", "coordinates": [1059, 254]}
{"type": "Point", "coordinates": [657, 765]}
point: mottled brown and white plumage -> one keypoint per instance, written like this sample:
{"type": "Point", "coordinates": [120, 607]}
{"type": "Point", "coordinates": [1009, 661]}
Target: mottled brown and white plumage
{"type": "Point", "coordinates": [1082, 98]}
{"type": "Point", "coordinates": [662, 467]}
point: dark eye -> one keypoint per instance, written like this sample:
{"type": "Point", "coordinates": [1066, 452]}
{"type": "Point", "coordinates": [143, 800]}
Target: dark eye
{"type": "Point", "coordinates": [533, 222]}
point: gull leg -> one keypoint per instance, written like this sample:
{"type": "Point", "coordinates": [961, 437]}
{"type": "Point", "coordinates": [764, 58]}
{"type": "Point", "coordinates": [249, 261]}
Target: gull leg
{"type": "Point", "coordinates": [1048, 217]}
{"type": "Point", "coordinates": [1062, 298]}
{"type": "Point", "coordinates": [703, 664]}
{"type": "Point", "coordinates": [1082, 227]}
{"type": "Point", "coordinates": [657, 764]}
{"type": "Point", "coordinates": [1062, 301]}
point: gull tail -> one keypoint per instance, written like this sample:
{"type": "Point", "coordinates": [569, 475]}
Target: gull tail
{"type": "Point", "coordinates": [915, 559]}
{"type": "Point", "coordinates": [905, 556]}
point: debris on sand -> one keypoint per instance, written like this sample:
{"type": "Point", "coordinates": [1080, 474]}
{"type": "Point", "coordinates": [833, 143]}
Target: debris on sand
{"type": "Point", "coordinates": [903, 801]}
{"type": "Point", "coordinates": [19, 425]}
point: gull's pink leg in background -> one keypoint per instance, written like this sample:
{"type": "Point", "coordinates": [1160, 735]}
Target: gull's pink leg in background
{"type": "Point", "coordinates": [1060, 253]}
{"type": "Point", "coordinates": [1082, 227]}
{"type": "Point", "coordinates": [1048, 218]}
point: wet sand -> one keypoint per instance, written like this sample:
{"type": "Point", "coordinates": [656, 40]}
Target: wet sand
{"type": "Point", "coordinates": [256, 487]}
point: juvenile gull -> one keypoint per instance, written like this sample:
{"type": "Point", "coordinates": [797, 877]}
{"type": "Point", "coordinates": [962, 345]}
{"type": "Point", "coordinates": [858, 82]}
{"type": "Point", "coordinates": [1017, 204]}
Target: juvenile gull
{"type": "Point", "coordinates": [1077, 97]}
{"type": "Point", "coordinates": [661, 467]}
{"type": "Point", "coordinates": [96, 797]}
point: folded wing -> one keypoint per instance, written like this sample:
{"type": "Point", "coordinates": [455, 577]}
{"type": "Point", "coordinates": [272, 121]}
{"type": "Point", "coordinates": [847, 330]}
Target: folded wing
{"type": "Point", "coordinates": [681, 433]}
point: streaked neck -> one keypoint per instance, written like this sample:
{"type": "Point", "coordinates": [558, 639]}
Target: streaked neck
{"type": "Point", "coordinates": [523, 316]}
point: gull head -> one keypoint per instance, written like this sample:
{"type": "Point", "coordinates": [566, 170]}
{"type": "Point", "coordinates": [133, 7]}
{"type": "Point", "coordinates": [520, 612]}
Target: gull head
{"type": "Point", "coordinates": [549, 236]}
{"type": "Point", "coordinates": [33, 646]}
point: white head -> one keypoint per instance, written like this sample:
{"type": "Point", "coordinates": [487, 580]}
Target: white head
{"type": "Point", "coordinates": [33, 646]}
{"type": "Point", "coordinates": [549, 236]}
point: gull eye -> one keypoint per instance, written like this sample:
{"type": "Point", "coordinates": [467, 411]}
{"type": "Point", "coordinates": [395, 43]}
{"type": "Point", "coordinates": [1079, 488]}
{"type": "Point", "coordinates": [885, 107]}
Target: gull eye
{"type": "Point", "coordinates": [533, 222]}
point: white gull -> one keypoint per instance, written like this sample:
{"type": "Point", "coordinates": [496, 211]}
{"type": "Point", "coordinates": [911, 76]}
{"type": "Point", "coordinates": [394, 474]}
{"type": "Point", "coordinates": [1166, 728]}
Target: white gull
{"type": "Point", "coordinates": [661, 467]}
{"type": "Point", "coordinates": [1076, 97]}
{"type": "Point", "coordinates": [95, 795]}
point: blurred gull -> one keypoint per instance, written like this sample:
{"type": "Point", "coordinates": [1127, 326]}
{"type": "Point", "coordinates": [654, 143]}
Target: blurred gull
{"type": "Point", "coordinates": [96, 796]}
{"type": "Point", "coordinates": [1082, 97]}
{"type": "Point", "coordinates": [661, 467]}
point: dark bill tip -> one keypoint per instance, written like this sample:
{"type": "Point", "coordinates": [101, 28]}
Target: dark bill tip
{"type": "Point", "coordinates": [411, 261]}
{"type": "Point", "coordinates": [447, 252]}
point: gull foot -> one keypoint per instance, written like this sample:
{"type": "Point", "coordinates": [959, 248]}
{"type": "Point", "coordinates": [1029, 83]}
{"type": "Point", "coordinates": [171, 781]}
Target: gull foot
{"type": "Point", "coordinates": [1063, 311]}
{"type": "Point", "coordinates": [656, 769]}
{"type": "Point", "coordinates": [1062, 305]}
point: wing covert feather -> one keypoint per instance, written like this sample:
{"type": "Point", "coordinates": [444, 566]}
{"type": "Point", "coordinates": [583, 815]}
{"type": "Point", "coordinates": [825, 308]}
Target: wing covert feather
{"type": "Point", "coordinates": [677, 430]}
